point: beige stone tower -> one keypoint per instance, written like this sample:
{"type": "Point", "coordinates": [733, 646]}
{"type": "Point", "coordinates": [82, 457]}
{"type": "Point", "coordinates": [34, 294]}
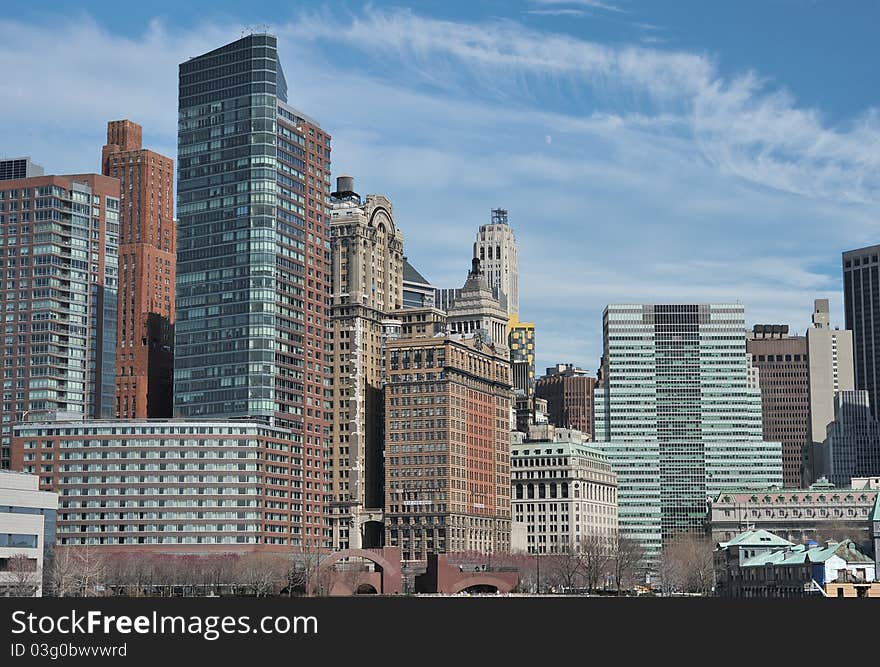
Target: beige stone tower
{"type": "Point", "coordinates": [367, 252]}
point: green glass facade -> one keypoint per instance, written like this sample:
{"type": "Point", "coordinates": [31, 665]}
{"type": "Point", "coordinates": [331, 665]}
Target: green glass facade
{"type": "Point", "coordinates": [252, 336]}
{"type": "Point", "coordinates": [676, 415]}
{"type": "Point", "coordinates": [224, 358]}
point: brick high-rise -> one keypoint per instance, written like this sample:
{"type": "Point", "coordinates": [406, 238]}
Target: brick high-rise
{"type": "Point", "coordinates": [147, 247]}
{"type": "Point", "coordinates": [58, 254]}
{"type": "Point", "coordinates": [252, 330]}
{"type": "Point", "coordinates": [447, 444]}
{"type": "Point", "coordinates": [783, 376]}
{"type": "Point", "coordinates": [569, 394]}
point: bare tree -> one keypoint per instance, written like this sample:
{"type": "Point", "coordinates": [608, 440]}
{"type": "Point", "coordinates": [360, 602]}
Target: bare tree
{"type": "Point", "coordinates": [595, 552]}
{"type": "Point", "coordinates": [62, 573]}
{"type": "Point", "coordinates": [686, 565]}
{"type": "Point", "coordinates": [304, 572]}
{"type": "Point", "coordinates": [629, 562]}
{"type": "Point", "coordinates": [262, 573]}
{"type": "Point", "coordinates": [565, 569]}
{"type": "Point", "coordinates": [22, 578]}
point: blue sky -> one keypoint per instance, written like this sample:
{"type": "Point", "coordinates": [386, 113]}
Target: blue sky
{"type": "Point", "coordinates": [646, 151]}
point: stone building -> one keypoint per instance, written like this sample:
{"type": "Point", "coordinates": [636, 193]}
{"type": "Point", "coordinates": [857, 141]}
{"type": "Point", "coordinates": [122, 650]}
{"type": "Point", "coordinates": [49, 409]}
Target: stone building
{"type": "Point", "coordinates": [564, 493]}
{"type": "Point", "coordinates": [368, 267]}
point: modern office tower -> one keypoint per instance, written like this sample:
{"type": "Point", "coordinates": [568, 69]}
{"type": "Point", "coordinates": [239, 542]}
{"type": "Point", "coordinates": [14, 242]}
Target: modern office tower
{"type": "Point", "coordinates": [782, 366]}
{"type": "Point", "coordinates": [252, 332]}
{"type": "Point", "coordinates": [173, 485]}
{"type": "Point", "coordinates": [495, 247]}
{"type": "Point", "coordinates": [677, 417]}
{"type": "Point", "coordinates": [27, 530]}
{"type": "Point", "coordinates": [147, 257]}
{"type": "Point", "coordinates": [564, 493]}
{"type": "Point", "coordinates": [476, 309]}
{"type": "Point", "coordinates": [568, 391]}
{"type": "Point", "coordinates": [852, 444]}
{"type": "Point", "coordinates": [58, 245]}
{"type": "Point", "coordinates": [447, 445]}
{"type": "Point", "coordinates": [830, 353]}
{"type": "Point", "coordinates": [367, 251]}
{"type": "Point", "coordinates": [861, 300]}
{"type": "Point", "coordinates": [521, 338]}
{"type": "Point", "coordinates": [417, 291]}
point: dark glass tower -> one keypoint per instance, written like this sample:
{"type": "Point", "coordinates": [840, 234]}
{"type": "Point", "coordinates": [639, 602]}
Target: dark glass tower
{"type": "Point", "coordinates": [253, 258]}
{"type": "Point", "coordinates": [861, 298]}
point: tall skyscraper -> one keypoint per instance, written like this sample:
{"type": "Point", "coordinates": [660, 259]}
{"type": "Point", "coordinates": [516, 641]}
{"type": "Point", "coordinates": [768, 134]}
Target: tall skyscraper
{"type": "Point", "coordinates": [252, 331]}
{"type": "Point", "coordinates": [831, 371]}
{"type": "Point", "coordinates": [677, 416]}
{"type": "Point", "coordinates": [569, 394]}
{"type": "Point", "coordinates": [861, 299]}
{"type": "Point", "coordinates": [783, 376]}
{"type": "Point", "coordinates": [368, 266]}
{"type": "Point", "coordinates": [58, 246]}
{"type": "Point", "coordinates": [447, 462]}
{"type": "Point", "coordinates": [147, 258]}
{"type": "Point", "coordinates": [495, 247]}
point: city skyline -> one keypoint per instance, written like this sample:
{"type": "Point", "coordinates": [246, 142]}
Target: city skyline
{"type": "Point", "coordinates": [609, 135]}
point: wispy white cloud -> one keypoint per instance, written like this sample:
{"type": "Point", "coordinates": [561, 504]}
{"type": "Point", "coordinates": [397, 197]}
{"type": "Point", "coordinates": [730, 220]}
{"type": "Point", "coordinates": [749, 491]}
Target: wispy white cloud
{"type": "Point", "coordinates": [593, 4]}
{"type": "Point", "coordinates": [571, 13]}
{"type": "Point", "coordinates": [741, 125]}
{"type": "Point", "coordinates": [663, 179]}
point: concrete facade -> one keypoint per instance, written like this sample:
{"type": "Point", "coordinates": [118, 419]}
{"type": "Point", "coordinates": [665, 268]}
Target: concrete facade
{"type": "Point", "coordinates": [27, 528]}
{"type": "Point", "coordinates": [831, 370]}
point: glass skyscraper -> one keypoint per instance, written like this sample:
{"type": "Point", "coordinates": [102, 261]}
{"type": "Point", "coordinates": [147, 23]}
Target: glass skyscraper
{"type": "Point", "coordinates": [253, 257]}
{"type": "Point", "coordinates": [677, 416]}
{"type": "Point", "coordinates": [861, 299]}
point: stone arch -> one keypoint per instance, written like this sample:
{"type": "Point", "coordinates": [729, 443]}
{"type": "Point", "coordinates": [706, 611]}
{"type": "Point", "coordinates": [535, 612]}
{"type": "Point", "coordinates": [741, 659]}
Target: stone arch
{"type": "Point", "coordinates": [386, 581]}
{"type": "Point", "coordinates": [482, 580]}
{"type": "Point", "coordinates": [373, 556]}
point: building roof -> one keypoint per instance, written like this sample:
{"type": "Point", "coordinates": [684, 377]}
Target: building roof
{"type": "Point", "coordinates": [801, 554]}
{"type": "Point", "coordinates": [875, 513]}
{"type": "Point", "coordinates": [410, 275]}
{"type": "Point", "coordinates": [756, 538]}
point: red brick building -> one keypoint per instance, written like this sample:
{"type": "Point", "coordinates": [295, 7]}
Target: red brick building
{"type": "Point", "coordinates": [196, 485]}
{"type": "Point", "coordinates": [569, 395]}
{"type": "Point", "coordinates": [447, 446]}
{"type": "Point", "coordinates": [147, 247]}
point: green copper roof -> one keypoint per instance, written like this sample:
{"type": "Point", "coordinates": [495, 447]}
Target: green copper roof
{"type": "Point", "coordinates": [756, 538]}
{"type": "Point", "coordinates": [875, 513]}
{"type": "Point", "coordinates": [803, 555]}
